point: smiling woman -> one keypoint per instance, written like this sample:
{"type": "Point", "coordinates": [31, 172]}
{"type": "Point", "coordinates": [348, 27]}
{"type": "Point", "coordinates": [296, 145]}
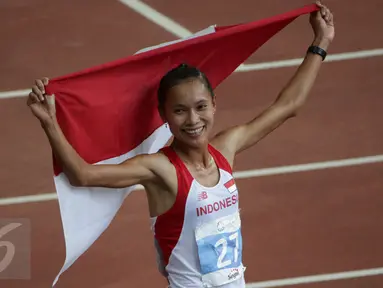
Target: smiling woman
{"type": "Point", "coordinates": [192, 196]}
{"type": "Point", "coordinates": [187, 103]}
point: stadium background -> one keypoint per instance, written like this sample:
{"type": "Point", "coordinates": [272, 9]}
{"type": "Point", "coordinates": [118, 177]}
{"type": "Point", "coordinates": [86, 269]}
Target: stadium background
{"type": "Point", "coordinates": [312, 220]}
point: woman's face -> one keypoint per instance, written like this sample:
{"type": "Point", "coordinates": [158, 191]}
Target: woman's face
{"type": "Point", "coordinates": [189, 110]}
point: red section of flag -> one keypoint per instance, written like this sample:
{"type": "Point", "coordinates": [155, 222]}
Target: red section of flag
{"type": "Point", "coordinates": [109, 110]}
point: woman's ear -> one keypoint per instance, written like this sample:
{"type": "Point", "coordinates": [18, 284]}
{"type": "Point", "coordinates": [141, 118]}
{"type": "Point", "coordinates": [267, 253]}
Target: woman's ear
{"type": "Point", "coordinates": [214, 104]}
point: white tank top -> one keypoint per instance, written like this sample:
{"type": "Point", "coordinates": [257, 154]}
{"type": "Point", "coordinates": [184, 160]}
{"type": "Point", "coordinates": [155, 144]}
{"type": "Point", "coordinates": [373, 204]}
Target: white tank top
{"type": "Point", "coordinates": [198, 241]}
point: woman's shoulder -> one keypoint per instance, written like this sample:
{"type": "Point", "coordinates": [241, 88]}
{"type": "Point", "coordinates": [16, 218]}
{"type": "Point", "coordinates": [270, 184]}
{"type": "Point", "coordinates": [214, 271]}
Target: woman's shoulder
{"type": "Point", "coordinates": [155, 161]}
{"type": "Point", "coordinates": [156, 157]}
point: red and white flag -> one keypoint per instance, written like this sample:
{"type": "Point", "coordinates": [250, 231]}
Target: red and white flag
{"type": "Point", "coordinates": [231, 186]}
{"type": "Point", "coordinates": [109, 114]}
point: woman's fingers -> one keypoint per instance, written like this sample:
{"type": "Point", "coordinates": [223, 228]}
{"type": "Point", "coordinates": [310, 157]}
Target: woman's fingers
{"type": "Point", "coordinates": [39, 83]}
{"type": "Point", "coordinates": [33, 98]}
{"type": "Point", "coordinates": [325, 13]}
{"type": "Point", "coordinates": [45, 80]}
{"type": "Point", "coordinates": [38, 92]}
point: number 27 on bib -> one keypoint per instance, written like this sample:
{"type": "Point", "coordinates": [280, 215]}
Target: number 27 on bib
{"type": "Point", "coordinates": [220, 250]}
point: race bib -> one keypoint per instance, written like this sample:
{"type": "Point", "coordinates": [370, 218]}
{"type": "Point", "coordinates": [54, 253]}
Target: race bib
{"type": "Point", "coordinates": [219, 245]}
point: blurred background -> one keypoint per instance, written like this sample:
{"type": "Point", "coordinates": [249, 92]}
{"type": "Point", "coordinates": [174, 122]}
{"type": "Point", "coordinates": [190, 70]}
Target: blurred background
{"type": "Point", "coordinates": [314, 220]}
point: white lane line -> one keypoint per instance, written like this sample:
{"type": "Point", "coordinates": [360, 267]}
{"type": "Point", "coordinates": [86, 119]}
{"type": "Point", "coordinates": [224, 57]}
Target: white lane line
{"type": "Point", "coordinates": [237, 175]}
{"type": "Point", "coordinates": [254, 67]}
{"type": "Point", "coordinates": [296, 62]}
{"type": "Point", "coordinates": [316, 278]}
{"type": "Point", "coordinates": [14, 94]}
{"type": "Point", "coordinates": [28, 199]}
{"type": "Point", "coordinates": [308, 167]}
{"type": "Point", "coordinates": [157, 18]}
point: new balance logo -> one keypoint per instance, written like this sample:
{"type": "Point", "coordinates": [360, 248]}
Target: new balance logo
{"type": "Point", "coordinates": [202, 196]}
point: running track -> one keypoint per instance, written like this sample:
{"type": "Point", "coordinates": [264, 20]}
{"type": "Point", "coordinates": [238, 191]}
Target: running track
{"type": "Point", "coordinates": [305, 223]}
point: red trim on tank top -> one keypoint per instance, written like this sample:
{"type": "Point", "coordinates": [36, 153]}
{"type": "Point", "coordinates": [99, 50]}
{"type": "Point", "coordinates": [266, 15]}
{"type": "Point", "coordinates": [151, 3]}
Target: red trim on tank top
{"type": "Point", "coordinates": [220, 159]}
{"type": "Point", "coordinates": [168, 226]}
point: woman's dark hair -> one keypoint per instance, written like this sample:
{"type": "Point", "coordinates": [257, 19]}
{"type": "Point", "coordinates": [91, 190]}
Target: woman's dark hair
{"type": "Point", "coordinates": [176, 76]}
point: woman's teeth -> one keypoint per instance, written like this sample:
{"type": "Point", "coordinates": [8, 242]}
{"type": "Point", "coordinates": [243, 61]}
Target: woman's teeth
{"type": "Point", "coordinates": [194, 132]}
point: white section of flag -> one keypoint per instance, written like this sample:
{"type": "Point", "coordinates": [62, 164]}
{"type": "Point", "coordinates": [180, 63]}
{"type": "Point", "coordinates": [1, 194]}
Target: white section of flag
{"type": "Point", "coordinates": [208, 30]}
{"type": "Point", "coordinates": [87, 212]}
{"type": "Point", "coordinates": [232, 188]}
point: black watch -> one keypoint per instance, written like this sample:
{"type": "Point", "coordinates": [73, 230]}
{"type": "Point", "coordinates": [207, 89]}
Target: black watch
{"type": "Point", "coordinates": [317, 50]}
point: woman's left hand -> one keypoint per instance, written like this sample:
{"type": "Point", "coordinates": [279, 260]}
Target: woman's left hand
{"type": "Point", "coordinates": [322, 23]}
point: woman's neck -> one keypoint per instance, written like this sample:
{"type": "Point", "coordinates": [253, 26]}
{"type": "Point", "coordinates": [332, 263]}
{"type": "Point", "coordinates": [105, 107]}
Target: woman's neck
{"type": "Point", "coordinates": [198, 157]}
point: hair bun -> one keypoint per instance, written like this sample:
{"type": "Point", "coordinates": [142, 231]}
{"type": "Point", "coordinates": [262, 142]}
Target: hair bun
{"type": "Point", "coordinates": [183, 65]}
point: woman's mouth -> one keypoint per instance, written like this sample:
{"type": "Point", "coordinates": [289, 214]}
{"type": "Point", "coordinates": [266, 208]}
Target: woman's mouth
{"type": "Point", "coordinates": [194, 132]}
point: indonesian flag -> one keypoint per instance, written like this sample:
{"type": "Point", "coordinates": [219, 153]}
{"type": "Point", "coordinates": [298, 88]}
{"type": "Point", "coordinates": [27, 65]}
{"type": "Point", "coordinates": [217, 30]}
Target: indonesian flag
{"type": "Point", "coordinates": [231, 186]}
{"type": "Point", "coordinates": [109, 114]}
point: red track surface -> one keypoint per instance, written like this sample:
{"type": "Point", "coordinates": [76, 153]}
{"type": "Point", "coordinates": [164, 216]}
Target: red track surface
{"type": "Point", "coordinates": [294, 225]}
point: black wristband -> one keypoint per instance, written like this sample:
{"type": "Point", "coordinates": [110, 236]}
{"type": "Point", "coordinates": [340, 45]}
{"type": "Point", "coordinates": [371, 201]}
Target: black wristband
{"type": "Point", "coordinates": [317, 50]}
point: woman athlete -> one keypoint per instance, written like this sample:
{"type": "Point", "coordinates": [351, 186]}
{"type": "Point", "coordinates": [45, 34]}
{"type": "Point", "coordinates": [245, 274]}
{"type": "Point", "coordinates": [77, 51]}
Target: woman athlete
{"type": "Point", "coordinates": [192, 196]}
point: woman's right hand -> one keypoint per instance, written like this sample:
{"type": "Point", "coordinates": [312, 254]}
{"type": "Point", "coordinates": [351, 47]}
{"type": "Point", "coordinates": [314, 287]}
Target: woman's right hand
{"type": "Point", "coordinates": [42, 105]}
